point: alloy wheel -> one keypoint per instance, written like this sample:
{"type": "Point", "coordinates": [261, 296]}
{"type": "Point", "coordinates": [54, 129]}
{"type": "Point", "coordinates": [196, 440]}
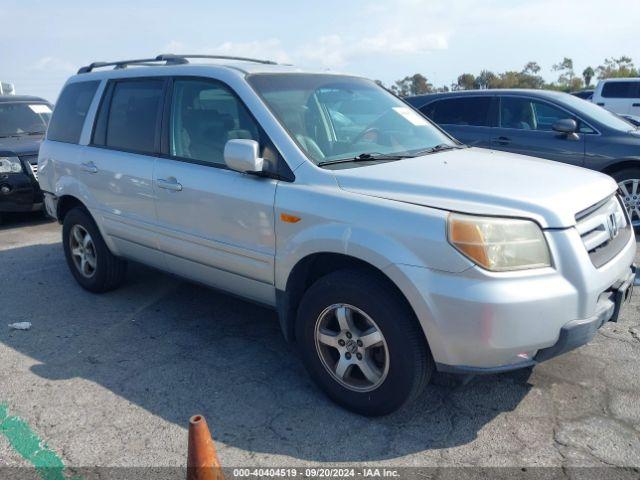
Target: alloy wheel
{"type": "Point", "coordinates": [630, 190]}
{"type": "Point", "coordinates": [83, 251]}
{"type": "Point", "coordinates": [352, 347]}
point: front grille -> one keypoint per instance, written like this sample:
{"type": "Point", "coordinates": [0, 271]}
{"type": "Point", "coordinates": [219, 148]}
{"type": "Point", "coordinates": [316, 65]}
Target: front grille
{"type": "Point", "coordinates": [32, 161]}
{"type": "Point", "coordinates": [34, 170]}
{"type": "Point", "coordinates": [604, 229]}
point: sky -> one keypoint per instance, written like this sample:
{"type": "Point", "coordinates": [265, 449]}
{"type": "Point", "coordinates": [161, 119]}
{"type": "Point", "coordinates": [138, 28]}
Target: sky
{"type": "Point", "coordinates": [42, 43]}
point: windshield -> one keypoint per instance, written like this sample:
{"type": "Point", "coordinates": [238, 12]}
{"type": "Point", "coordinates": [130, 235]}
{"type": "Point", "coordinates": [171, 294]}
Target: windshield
{"type": "Point", "coordinates": [338, 117]}
{"type": "Point", "coordinates": [597, 113]}
{"type": "Point", "coordinates": [23, 118]}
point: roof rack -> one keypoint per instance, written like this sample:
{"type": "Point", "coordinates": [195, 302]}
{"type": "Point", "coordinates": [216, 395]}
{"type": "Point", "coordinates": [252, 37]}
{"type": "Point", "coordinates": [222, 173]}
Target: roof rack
{"type": "Point", "coordinates": [168, 59]}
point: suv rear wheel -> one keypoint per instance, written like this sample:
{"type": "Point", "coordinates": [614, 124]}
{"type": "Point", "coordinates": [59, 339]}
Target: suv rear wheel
{"type": "Point", "coordinates": [629, 184]}
{"type": "Point", "coordinates": [94, 267]}
{"type": "Point", "coordinates": [361, 343]}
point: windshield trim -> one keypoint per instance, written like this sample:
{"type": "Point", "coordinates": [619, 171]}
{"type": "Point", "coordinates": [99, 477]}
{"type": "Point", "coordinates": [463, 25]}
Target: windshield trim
{"type": "Point", "coordinates": [293, 138]}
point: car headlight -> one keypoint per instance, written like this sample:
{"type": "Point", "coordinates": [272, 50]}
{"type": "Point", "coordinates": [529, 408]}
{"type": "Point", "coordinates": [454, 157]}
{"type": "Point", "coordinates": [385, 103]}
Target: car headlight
{"type": "Point", "coordinates": [10, 165]}
{"type": "Point", "coordinates": [499, 244]}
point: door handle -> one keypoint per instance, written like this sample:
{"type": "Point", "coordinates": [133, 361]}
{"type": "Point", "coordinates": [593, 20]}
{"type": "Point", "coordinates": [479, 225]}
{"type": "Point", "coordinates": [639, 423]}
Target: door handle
{"type": "Point", "coordinates": [501, 140]}
{"type": "Point", "coordinates": [600, 104]}
{"type": "Point", "coordinates": [635, 104]}
{"type": "Point", "coordinates": [169, 184]}
{"type": "Point", "coordinates": [89, 167]}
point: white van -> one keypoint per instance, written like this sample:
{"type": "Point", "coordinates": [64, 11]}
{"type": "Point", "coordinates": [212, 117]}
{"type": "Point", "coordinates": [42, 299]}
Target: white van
{"type": "Point", "coordinates": [619, 95]}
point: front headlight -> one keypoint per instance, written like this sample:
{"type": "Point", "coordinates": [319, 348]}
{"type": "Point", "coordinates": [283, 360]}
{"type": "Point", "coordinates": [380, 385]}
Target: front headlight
{"type": "Point", "coordinates": [10, 165]}
{"type": "Point", "coordinates": [499, 244]}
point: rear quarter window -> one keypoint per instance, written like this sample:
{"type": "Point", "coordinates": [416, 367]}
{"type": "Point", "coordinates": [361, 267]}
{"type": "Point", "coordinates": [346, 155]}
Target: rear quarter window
{"type": "Point", "coordinates": [70, 112]}
{"type": "Point", "coordinates": [460, 111]}
{"type": "Point", "coordinates": [621, 89]}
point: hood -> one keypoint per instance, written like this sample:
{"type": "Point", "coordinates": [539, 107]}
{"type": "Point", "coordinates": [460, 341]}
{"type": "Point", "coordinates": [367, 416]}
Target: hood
{"type": "Point", "coordinates": [484, 182]}
{"type": "Point", "coordinates": [27, 145]}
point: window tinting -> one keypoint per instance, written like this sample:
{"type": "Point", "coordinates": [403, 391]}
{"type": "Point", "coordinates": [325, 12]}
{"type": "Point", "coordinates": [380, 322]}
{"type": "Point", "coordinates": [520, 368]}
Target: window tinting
{"type": "Point", "coordinates": [621, 90]}
{"type": "Point", "coordinates": [133, 115]}
{"type": "Point", "coordinates": [460, 111]}
{"type": "Point", "coordinates": [205, 115]}
{"type": "Point", "coordinates": [526, 114]}
{"type": "Point", "coordinates": [70, 112]}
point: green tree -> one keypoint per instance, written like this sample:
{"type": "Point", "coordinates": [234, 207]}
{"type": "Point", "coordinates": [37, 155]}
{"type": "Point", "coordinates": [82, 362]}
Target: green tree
{"type": "Point", "coordinates": [486, 79]}
{"type": "Point", "coordinates": [415, 84]}
{"type": "Point", "coordinates": [531, 68]}
{"type": "Point", "coordinates": [588, 75]}
{"type": "Point", "coordinates": [466, 81]}
{"type": "Point", "coordinates": [566, 76]}
{"type": "Point", "coordinates": [617, 68]}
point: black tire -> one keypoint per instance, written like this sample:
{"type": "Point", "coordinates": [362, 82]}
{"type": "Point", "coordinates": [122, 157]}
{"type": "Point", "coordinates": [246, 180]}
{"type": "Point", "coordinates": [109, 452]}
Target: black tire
{"type": "Point", "coordinates": [626, 174]}
{"type": "Point", "coordinates": [410, 361]}
{"type": "Point", "coordinates": [109, 271]}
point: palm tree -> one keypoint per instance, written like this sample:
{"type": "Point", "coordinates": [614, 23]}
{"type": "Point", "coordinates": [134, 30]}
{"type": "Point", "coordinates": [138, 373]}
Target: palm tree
{"type": "Point", "coordinates": [588, 74]}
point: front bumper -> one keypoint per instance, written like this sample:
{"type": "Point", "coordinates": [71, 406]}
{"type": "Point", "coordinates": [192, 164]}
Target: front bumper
{"type": "Point", "coordinates": [19, 192]}
{"type": "Point", "coordinates": [481, 322]}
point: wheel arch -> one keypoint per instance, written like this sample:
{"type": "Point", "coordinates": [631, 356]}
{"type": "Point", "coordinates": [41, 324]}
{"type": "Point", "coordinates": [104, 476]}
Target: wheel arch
{"type": "Point", "coordinates": [309, 269]}
{"type": "Point", "coordinates": [65, 204]}
{"type": "Point", "coordinates": [621, 164]}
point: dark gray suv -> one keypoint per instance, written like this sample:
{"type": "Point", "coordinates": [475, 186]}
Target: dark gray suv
{"type": "Point", "coordinates": [546, 124]}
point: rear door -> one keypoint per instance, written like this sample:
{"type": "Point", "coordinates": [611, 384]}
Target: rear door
{"type": "Point", "coordinates": [466, 118]}
{"type": "Point", "coordinates": [217, 225]}
{"type": "Point", "coordinates": [118, 169]}
{"type": "Point", "coordinates": [525, 127]}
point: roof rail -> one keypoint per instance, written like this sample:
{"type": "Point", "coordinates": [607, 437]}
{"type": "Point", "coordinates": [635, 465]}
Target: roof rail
{"type": "Point", "coordinates": [124, 63]}
{"type": "Point", "coordinates": [168, 59]}
{"type": "Point", "coordinates": [172, 56]}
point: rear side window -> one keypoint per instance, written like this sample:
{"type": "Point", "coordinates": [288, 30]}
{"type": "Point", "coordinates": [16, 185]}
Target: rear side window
{"type": "Point", "coordinates": [460, 111]}
{"type": "Point", "coordinates": [70, 112]}
{"type": "Point", "coordinates": [129, 117]}
{"type": "Point", "coordinates": [621, 90]}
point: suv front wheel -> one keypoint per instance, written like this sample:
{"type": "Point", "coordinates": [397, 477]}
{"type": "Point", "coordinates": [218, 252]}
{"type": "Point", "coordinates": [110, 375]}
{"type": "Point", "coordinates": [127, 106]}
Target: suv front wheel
{"type": "Point", "coordinates": [361, 343]}
{"type": "Point", "coordinates": [93, 266]}
{"type": "Point", "coordinates": [629, 186]}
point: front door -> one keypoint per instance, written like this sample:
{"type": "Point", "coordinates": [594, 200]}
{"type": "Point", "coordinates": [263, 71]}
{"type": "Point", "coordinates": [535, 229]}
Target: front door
{"type": "Point", "coordinates": [216, 225]}
{"type": "Point", "coordinates": [525, 127]}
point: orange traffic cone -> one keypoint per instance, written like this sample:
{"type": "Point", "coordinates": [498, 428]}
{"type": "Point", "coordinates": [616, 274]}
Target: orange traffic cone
{"type": "Point", "coordinates": [202, 459]}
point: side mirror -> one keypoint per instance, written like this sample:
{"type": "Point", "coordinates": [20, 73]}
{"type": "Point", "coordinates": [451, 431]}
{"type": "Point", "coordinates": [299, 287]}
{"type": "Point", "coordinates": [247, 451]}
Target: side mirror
{"type": "Point", "coordinates": [243, 156]}
{"type": "Point", "coordinates": [566, 126]}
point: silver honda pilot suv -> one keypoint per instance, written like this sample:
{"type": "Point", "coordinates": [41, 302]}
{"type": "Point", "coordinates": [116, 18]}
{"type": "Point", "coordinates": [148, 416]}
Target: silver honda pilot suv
{"type": "Point", "coordinates": [388, 249]}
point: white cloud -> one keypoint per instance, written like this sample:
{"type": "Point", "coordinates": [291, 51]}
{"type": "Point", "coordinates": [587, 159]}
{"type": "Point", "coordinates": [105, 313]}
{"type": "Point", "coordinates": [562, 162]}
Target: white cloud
{"type": "Point", "coordinates": [269, 49]}
{"type": "Point", "coordinates": [53, 64]}
{"type": "Point", "coordinates": [328, 51]}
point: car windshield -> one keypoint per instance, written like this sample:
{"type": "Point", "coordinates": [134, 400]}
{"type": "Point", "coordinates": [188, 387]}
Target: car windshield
{"type": "Point", "coordinates": [334, 118]}
{"type": "Point", "coordinates": [23, 118]}
{"type": "Point", "coordinates": [597, 113]}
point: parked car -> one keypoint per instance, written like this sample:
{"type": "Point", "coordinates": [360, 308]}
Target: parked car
{"type": "Point", "coordinates": [583, 94]}
{"type": "Point", "coordinates": [23, 121]}
{"type": "Point", "coordinates": [388, 249]}
{"type": "Point", "coordinates": [544, 124]}
{"type": "Point", "coordinates": [618, 95]}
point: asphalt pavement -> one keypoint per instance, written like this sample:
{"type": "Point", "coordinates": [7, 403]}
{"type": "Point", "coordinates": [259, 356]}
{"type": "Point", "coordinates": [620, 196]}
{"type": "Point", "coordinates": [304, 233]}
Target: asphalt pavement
{"type": "Point", "coordinates": [111, 380]}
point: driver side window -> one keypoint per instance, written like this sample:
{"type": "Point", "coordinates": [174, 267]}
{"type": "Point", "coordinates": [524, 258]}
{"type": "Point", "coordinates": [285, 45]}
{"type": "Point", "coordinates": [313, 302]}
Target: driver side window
{"type": "Point", "coordinates": [528, 114]}
{"type": "Point", "coordinates": [204, 116]}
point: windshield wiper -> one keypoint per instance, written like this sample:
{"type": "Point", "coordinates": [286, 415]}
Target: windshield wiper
{"type": "Point", "coordinates": [441, 147]}
{"type": "Point", "coordinates": [365, 157]}
{"type": "Point", "coordinates": [35, 133]}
